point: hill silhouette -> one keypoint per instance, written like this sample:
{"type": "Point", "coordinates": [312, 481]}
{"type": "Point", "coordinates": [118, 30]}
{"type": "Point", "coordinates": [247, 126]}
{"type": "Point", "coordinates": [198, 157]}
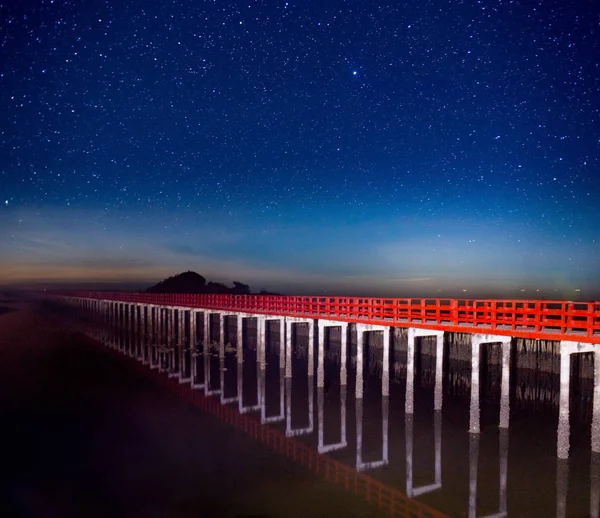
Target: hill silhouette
{"type": "Point", "coordinates": [192, 282]}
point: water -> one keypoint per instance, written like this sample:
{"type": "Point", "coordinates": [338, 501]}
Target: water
{"type": "Point", "coordinates": [513, 470]}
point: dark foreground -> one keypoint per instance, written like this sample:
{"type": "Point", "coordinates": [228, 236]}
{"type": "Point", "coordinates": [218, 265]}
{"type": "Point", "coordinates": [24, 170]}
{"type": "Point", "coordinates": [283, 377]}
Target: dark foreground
{"type": "Point", "coordinates": [85, 435]}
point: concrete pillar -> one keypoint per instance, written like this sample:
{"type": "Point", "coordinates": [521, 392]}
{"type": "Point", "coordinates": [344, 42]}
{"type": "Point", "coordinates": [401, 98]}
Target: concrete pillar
{"type": "Point", "coordinates": [172, 344]}
{"type": "Point", "coordinates": [344, 356]}
{"type": "Point", "coordinates": [239, 341]}
{"type": "Point", "coordinates": [385, 374]}
{"type": "Point", "coordinates": [261, 339]}
{"type": "Point", "coordinates": [282, 344]}
{"type": "Point", "coordinates": [221, 335]}
{"type": "Point", "coordinates": [320, 354]}
{"type": "Point", "coordinates": [412, 335]}
{"type": "Point", "coordinates": [185, 350]}
{"type": "Point", "coordinates": [359, 364]}
{"type": "Point", "coordinates": [208, 391]}
{"type": "Point", "coordinates": [288, 348]}
{"type": "Point", "coordinates": [195, 354]}
{"type": "Point", "coordinates": [126, 328]}
{"type": "Point", "coordinates": [206, 331]}
{"type": "Point", "coordinates": [410, 372]}
{"type": "Point", "coordinates": [596, 404]}
{"type": "Point", "coordinates": [474, 424]}
{"type": "Point", "coordinates": [439, 372]}
{"type": "Point", "coordinates": [311, 349]}
{"type": "Point", "coordinates": [153, 336]}
{"type": "Point", "coordinates": [505, 388]}
{"type": "Point", "coordinates": [476, 342]}
{"type": "Point", "coordinates": [562, 443]}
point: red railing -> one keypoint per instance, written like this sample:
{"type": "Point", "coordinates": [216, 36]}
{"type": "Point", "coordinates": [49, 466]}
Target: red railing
{"type": "Point", "coordinates": [544, 319]}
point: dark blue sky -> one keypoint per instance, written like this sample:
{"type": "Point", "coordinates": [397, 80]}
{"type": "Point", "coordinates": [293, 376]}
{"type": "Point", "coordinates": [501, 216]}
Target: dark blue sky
{"type": "Point", "coordinates": [395, 148]}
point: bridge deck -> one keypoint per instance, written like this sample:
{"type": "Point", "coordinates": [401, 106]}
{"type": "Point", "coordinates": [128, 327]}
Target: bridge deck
{"type": "Point", "coordinates": [536, 319]}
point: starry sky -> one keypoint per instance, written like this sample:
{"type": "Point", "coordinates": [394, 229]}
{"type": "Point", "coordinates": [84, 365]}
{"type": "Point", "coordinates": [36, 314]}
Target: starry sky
{"type": "Point", "coordinates": [417, 148]}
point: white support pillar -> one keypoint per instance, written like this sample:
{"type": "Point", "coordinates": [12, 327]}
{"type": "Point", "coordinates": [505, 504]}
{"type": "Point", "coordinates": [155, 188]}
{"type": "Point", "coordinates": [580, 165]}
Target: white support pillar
{"type": "Point", "coordinates": [261, 341]}
{"type": "Point", "coordinates": [413, 334]}
{"type": "Point", "coordinates": [288, 348]}
{"type": "Point", "coordinates": [185, 350]}
{"type": "Point", "coordinates": [195, 354]}
{"type": "Point", "coordinates": [358, 392]}
{"type": "Point", "coordinates": [208, 391]}
{"type": "Point", "coordinates": [137, 332]}
{"type": "Point", "coordinates": [344, 355]}
{"type": "Point", "coordinates": [311, 349]}
{"type": "Point", "coordinates": [385, 371]}
{"type": "Point", "coordinates": [172, 352]}
{"type": "Point", "coordinates": [127, 330]}
{"type": "Point", "coordinates": [242, 408]}
{"type": "Point", "coordinates": [239, 340]}
{"type": "Point", "coordinates": [439, 372]}
{"type": "Point", "coordinates": [596, 403]}
{"type": "Point", "coordinates": [221, 335]}
{"type": "Point", "coordinates": [160, 338]}
{"type": "Point", "coordinates": [282, 344]}
{"type": "Point", "coordinates": [153, 336]}
{"type": "Point", "coordinates": [474, 410]}
{"type": "Point", "coordinates": [289, 321]}
{"type": "Point", "coordinates": [562, 443]}
{"type": "Point", "coordinates": [320, 354]}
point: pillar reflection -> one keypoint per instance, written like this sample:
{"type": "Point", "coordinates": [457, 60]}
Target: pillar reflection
{"type": "Point", "coordinates": [360, 465]}
{"type": "Point", "coordinates": [409, 431]}
{"type": "Point", "coordinates": [324, 448]}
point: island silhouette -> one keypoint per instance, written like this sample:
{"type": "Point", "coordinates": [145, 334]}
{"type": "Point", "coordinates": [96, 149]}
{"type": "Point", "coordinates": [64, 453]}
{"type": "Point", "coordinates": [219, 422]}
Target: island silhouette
{"type": "Point", "coordinates": [192, 282]}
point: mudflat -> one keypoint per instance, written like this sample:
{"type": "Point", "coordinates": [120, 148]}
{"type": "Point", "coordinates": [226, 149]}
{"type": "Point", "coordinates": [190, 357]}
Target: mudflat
{"type": "Point", "coordinates": [84, 435]}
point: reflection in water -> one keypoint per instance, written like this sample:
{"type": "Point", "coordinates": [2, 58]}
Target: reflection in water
{"type": "Point", "coordinates": [243, 409]}
{"type": "Point", "coordinates": [473, 464]}
{"type": "Point", "coordinates": [292, 432]}
{"type": "Point", "coordinates": [207, 354]}
{"type": "Point", "coordinates": [437, 425]}
{"type": "Point", "coordinates": [562, 485]}
{"type": "Point", "coordinates": [595, 485]}
{"type": "Point", "coordinates": [360, 465]}
{"type": "Point", "coordinates": [263, 406]}
{"type": "Point", "coordinates": [152, 332]}
{"type": "Point", "coordinates": [324, 448]}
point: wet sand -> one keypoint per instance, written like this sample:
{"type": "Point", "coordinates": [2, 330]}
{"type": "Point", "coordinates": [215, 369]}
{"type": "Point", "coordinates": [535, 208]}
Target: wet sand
{"type": "Point", "coordinates": [85, 435]}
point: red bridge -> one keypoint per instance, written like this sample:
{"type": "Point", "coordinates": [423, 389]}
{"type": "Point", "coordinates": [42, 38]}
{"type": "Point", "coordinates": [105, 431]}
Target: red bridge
{"type": "Point", "coordinates": [536, 319]}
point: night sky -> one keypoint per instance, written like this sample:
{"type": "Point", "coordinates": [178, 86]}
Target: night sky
{"type": "Point", "coordinates": [357, 147]}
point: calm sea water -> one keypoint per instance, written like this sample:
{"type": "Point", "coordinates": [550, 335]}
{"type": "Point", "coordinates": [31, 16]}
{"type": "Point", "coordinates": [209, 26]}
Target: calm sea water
{"type": "Point", "coordinates": [497, 471]}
